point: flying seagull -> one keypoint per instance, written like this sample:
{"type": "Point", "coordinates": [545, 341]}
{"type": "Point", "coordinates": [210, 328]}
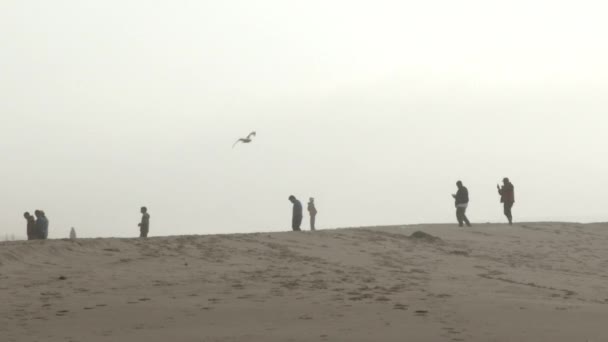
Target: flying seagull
{"type": "Point", "coordinates": [245, 140]}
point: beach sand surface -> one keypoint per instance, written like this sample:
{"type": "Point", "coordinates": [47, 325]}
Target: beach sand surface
{"type": "Point", "coordinates": [492, 282]}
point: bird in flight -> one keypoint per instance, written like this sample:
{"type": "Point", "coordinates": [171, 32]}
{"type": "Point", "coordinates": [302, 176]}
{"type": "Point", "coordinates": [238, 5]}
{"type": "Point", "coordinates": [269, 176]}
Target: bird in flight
{"type": "Point", "coordinates": [245, 140]}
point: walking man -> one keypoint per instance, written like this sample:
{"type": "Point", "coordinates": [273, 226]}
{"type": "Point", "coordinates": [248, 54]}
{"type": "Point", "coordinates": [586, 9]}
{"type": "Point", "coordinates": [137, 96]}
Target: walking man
{"type": "Point", "coordinates": [144, 226]}
{"type": "Point", "coordinates": [462, 202]}
{"type": "Point", "coordinates": [31, 226]}
{"type": "Point", "coordinates": [507, 197]}
{"type": "Point", "coordinates": [296, 218]}
{"type": "Point", "coordinates": [313, 213]}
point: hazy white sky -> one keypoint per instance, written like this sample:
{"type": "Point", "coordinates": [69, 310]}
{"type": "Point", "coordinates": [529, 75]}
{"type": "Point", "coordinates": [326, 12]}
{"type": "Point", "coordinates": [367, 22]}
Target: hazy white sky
{"type": "Point", "coordinates": [375, 108]}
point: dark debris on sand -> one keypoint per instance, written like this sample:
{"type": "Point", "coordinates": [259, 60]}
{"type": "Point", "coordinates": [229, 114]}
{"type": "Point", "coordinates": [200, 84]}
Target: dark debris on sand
{"type": "Point", "coordinates": [424, 237]}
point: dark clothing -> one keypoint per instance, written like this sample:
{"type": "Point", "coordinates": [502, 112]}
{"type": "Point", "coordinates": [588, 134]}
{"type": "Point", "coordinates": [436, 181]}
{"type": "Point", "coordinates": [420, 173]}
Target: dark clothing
{"type": "Point", "coordinates": [144, 226]}
{"type": "Point", "coordinates": [507, 197]}
{"type": "Point", "coordinates": [31, 228]}
{"type": "Point", "coordinates": [296, 219]}
{"type": "Point", "coordinates": [296, 222]}
{"type": "Point", "coordinates": [507, 193]}
{"type": "Point", "coordinates": [508, 214]}
{"type": "Point", "coordinates": [462, 196]}
{"type": "Point", "coordinates": [461, 201]}
{"type": "Point", "coordinates": [313, 214]}
{"type": "Point", "coordinates": [42, 227]}
{"type": "Point", "coordinates": [462, 217]}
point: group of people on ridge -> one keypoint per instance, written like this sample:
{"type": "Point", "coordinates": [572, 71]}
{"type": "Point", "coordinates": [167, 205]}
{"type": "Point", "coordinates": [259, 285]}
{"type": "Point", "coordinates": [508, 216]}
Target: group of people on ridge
{"type": "Point", "coordinates": [507, 198]}
{"type": "Point", "coordinates": [38, 226]}
{"type": "Point", "coordinates": [297, 216]}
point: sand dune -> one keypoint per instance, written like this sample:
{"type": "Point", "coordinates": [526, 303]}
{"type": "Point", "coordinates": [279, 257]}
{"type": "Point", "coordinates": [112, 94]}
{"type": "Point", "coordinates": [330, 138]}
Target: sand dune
{"type": "Point", "coordinates": [529, 282]}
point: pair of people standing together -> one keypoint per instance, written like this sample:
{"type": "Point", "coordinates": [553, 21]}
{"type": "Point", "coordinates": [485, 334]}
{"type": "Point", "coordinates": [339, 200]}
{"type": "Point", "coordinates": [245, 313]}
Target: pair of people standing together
{"type": "Point", "coordinates": [507, 198]}
{"type": "Point", "coordinates": [37, 227]}
{"type": "Point", "coordinates": [297, 216]}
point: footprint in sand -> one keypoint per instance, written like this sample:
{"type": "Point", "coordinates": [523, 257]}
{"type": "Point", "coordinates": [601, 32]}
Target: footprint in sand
{"type": "Point", "coordinates": [421, 312]}
{"type": "Point", "coordinates": [399, 306]}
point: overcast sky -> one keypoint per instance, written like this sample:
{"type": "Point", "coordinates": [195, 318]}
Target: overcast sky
{"type": "Point", "coordinates": [375, 108]}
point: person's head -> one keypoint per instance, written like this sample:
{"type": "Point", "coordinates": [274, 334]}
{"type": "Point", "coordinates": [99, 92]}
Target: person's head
{"type": "Point", "coordinates": [38, 213]}
{"type": "Point", "coordinates": [27, 215]}
{"type": "Point", "coordinates": [292, 198]}
{"type": "Point", "coordinates": [505, 180]}
{"type": "Point", "coordinates": [312, 200]}
{"type": "Point", "coordinates": [459, 184]}
{"type": "Point", "coordinates": [143, 210]}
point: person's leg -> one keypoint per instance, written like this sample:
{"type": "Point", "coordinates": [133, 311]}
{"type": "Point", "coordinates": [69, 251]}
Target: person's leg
{"type": "Point", "coordinates": [464, 217]}
{"type": "Point", "coordinates": [295, 223]}
{"type": "Point", "coordinates": [312, 221]}
{"type": "Point", "coordinates": [459, 216]}
{"type": "Point", "coordinates": [508, 212]}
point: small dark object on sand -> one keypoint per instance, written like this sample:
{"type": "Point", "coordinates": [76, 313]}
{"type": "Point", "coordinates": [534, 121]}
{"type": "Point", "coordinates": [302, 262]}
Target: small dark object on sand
{"type": "Point", "coordinates": [62, 278]}
{"type": "Point", "coordinates": [422, 236]}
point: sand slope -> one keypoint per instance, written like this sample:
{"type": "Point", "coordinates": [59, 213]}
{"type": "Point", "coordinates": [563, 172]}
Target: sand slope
{"type": "Point", "coordinates": [530, 282]}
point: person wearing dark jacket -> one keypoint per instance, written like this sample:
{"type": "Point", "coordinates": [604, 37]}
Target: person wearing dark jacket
{"type": "Point", "coordinates": [312, 210]}
{"type": "Point", "coordinates": [507, 198]}
{"type": "Point", "coordinates": [461, 202]}
{"type": "Point", "coordinates": [144, 225]}
{"type": "Point", "coordinates": [42, 225]}
{"type": "Point", "coordinates": [296, 218]}
{"type": "Point", "coordinates": [31, 226]}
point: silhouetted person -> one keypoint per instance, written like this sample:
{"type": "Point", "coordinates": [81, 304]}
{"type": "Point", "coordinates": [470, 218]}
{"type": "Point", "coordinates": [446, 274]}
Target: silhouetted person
{"type": "Point", "coordinates": [312, 211]}
{"type": "Point", "coordinates": [72, 234]}
{"type": "Point", "coordinates": [296, 218]}
{"type": "Point", "coordinates": [144, 226]}
{"type": "Point", "coordinates": [462, 202]}
{"type": "Point", "coordinates": [42, 225]}
{"type": "Point", "coordinates": [31, 226]}
{"type": "Point", "coordinates": [507, 197]}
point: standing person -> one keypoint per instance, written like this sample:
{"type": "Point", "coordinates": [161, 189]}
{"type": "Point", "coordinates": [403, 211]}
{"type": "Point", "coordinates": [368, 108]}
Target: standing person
{"type": "Point", "coordinates": [144, 226]}
{"type": "Point", "coordinates": [296, 218]}
{"type": "Point", "coordinates": [45, 227]}
{"type": "Point", "coordinates": [31, 226]}
{"type": "Point", "coordinates": [313, 213]}
{"type": "Point", "coordinates": [72, 234]}
{"type": "Point", "coordinates": [462, 202]}
{"type": "Point", "coordinates": [42, 225]}
{"type": "Point", "coordinates": [507, 197]}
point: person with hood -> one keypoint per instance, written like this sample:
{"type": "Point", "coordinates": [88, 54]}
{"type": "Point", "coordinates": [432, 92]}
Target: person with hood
{"type": "Point", "coordinates": [461, 202]}
{"type": "Point", "coordinates": [296, 218]}
{"type": "Point", "coordinates": [31, 226]}
{"type": "Point", "coordinates": [507, 197]}
{"type": "Point", "coordinates": [312, 210]}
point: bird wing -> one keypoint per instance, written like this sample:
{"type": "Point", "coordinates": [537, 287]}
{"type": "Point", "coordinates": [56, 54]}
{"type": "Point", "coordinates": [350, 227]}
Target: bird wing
{"type": "Point", "coordinates": [252, 134]}
{"type": "Point", "coordinates": [236, 142]}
